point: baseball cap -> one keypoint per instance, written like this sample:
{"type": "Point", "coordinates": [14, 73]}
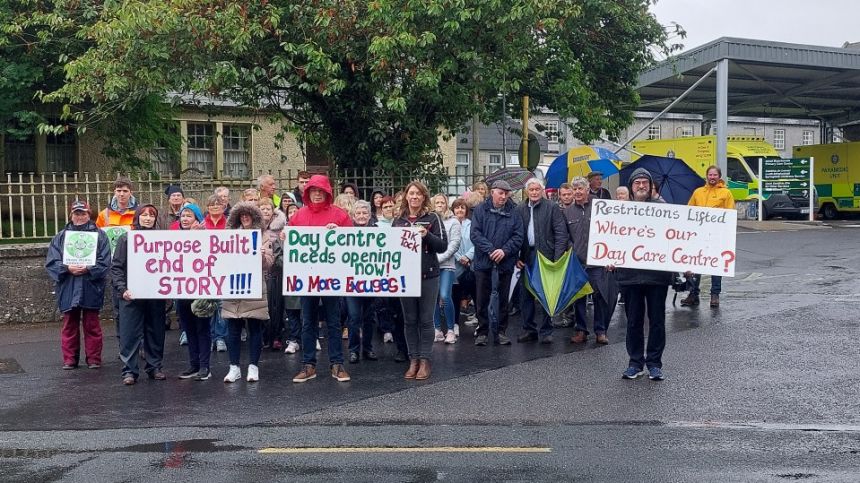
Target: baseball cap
{"type": "Point", "coordinates": [79, 205]}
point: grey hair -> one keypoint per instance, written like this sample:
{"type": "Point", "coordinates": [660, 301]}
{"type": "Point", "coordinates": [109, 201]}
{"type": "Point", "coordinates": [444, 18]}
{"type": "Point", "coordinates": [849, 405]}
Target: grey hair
{"type": "Point", "coordinates": [579, 181]}
{"type": "Point", "coordinates": [262, 178]}
{"type": "Point", "coordinates": [536, 181]}
{"type": "Point", "coordinates": [222, 189]}
{"type": "Point", "coordinates": [624, 188]}
{"type": "Point", "coordinates": [362, 204]}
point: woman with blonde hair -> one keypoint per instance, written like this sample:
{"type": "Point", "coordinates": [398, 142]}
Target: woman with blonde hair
{"type": "Point", "coordinates": [345, 202]}
{"type": "Point", "coordinates": [481, 188]}
{"type": "Point", "coordinates": [446, 274]}
{"type": "Point", "coordinates": [417, 212]}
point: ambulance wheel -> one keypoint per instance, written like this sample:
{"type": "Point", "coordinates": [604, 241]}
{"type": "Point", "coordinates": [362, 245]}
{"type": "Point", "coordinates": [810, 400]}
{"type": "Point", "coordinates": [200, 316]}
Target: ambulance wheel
{"type": "Point", "coordinates": [829, 211]}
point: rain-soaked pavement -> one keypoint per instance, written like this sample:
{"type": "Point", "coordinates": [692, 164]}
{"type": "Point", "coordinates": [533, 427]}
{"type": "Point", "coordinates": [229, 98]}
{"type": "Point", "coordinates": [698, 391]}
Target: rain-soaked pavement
{"type": "Point", "coordinates": [763, 389]}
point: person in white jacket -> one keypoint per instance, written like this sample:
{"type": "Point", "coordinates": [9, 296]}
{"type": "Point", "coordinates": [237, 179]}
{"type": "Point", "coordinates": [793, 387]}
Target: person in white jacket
{"type": "Point", "coordinates": [447, 274]}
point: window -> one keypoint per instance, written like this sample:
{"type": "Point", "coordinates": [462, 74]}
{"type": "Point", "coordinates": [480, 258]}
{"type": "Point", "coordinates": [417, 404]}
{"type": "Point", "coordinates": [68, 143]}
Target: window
{"type": "Point", "coordinates": [736, 171]}
{"type": "Point", "coordinates": [654, 131]}
{"type": "Point", "coordinates": [236, 151]}
{"type": "Point", "coordinates": [551, 131]}
{"type": "Point", "coordinates": [464, 167]}
{"type": "Point", "coordinates": [687, 131]}
{"type": "Point", "coordinates": [201, 148]}
{"type": "Point", "coordinates": [162, 159]}
{"type": "Point", "coordinates": [495, 162]}
{"type": "Point", "coordinates": [20, 154]}
{"type": "Point", "coordinates": [60, 152]}
{"type": "Point", "coordinates": [779, 139]}
{"type": "Point", "coordinates": [808, 138]}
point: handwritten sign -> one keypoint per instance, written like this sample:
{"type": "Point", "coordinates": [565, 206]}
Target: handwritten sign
{"type": "Point", "coordinates": [657, 236]}
{"type": "Point", "coordinates": [80, 248]}
{"type": "Point", "coordinates": [355, 262]}
{"type": "Point", "coordinates": [113, 233]}
{"type": "Point", "coordinates": [195, 264]}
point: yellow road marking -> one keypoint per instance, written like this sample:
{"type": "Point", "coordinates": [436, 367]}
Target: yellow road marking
{"type": "Point", "coordinates": [429, 449]}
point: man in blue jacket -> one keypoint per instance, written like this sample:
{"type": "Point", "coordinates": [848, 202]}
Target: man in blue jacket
{"type": "Point", "coordinates": [497, 233]}
{"type": "Point", "coordinates": [80, 290]}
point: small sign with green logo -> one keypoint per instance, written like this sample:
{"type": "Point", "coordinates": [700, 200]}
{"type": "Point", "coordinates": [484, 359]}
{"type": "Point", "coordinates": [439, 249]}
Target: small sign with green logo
{"type": "Point", "coordinates": [80, 248]}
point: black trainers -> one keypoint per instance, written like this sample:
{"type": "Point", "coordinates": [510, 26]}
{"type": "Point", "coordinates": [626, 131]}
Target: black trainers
{"type": "Point", "coordinates": [481, 340]}
{"type": "Point", "coordinates": [203, 375]}
{"type": "Point", "coordinates": [189, 374]}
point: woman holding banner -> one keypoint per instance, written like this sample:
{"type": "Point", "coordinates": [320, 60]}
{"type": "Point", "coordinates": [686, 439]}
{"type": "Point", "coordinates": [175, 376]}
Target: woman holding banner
{"type": "Point", "coordinates": [139, 316]}
{"type": "Point", "coordinates": [197, 329]}
{"type": "Point", "coordinates": [247, 216]}
{"type": "Point", "coordinates": [418, 311]}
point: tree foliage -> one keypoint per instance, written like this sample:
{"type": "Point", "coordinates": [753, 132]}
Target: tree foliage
{"type": "Point", "coordinates": [375, 82]}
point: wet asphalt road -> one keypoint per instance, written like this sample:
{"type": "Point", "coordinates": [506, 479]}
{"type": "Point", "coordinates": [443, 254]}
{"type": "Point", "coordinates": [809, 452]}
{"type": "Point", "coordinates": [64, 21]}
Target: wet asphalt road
{"type": "Point", "coordinates": [763, 389]}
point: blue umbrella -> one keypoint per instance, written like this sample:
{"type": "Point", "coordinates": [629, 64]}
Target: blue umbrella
{"type": "Point", "coordinates": [675, 180]}
{"type": "Point", "coordinates": [580, 161]}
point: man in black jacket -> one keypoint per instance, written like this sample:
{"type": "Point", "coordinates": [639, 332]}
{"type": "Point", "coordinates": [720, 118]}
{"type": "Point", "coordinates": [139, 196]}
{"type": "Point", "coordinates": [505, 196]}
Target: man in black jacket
{"type": "Point", "coordinates": [605, 296]}
{"type": "Point", "coordinates": [644, 290]}
{"type": "Point", "coordinates": [546, 232]}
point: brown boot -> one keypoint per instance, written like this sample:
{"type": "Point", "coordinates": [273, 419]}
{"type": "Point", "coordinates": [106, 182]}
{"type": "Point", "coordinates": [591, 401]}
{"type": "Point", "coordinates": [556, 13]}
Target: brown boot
{"type": "Point", "coordinates": [423, 370]}
{"type": "Point", "coordinates": [579, 337]}
{"type": "Point", "coordinates": [715, 301]}
{"type": "Point", "coordinates": [413, 369]}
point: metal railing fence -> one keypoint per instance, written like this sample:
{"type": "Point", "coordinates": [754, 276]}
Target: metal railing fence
{"type": "Point", "coordinates": [33, 207]}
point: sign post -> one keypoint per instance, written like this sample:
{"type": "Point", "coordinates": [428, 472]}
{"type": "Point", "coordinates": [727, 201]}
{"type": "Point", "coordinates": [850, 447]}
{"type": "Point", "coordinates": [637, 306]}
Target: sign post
{"type": "Point", "coordinates": [792, 176]}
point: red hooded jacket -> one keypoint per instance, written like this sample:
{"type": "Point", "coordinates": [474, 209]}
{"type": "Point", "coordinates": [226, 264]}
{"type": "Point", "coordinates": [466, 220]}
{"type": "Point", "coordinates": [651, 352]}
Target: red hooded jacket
{"type": "Point", "coordinates": [319, 214]}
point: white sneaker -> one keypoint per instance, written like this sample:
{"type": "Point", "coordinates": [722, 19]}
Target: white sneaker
{"type": "Point", "coordinates": [253, 373]}
{"type": "Point", "coordinates": [234, 374]}
{"type": "Point", "coordinates": [456, 330]}
{"type": "Point", "coordinates": [450, 338]}
{"type": "Point", "coordinates": [388, 338]}
{"type": "Point", "coordinates": [292, 348]}
{"type": "Point", "coordinates": [319, 348]}
{"type": "Point", "coordinates": [440, 337]}
{"type": "Point", "coordinates": [220, 345]}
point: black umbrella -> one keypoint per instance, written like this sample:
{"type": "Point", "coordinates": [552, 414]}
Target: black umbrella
{"type": "Point", "coordinates": [675, 180]}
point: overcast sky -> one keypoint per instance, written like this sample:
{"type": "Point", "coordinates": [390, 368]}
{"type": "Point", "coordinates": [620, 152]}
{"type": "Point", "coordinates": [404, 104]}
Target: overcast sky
{"type": "Point", "coordinates": [813, 22]}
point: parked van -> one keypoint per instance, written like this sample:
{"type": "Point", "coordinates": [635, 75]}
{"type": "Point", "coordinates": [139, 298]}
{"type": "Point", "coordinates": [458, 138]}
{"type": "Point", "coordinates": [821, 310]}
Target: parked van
{"type": "Point", "coordinates": [742, 153]}
{"type": "Point", "coordinates": [836, 176]}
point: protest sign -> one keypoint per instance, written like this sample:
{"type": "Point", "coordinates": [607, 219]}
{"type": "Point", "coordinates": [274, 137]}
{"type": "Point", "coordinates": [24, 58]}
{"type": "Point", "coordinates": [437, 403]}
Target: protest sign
{"type": "Point", "coordinates": [195, 264]}
{"type": "Point", "coordinates": [356, 262]}
{"type": "Point", "coordinates": [113, 233]}
{"type": "Point", "coordinates": [659, 236]}
{"type": "Point", "coordinates": [80, 248]}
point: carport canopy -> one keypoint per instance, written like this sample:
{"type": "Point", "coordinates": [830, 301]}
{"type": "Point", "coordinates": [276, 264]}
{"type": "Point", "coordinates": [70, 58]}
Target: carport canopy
{"type": "Point", "coordinates": [757, 78]}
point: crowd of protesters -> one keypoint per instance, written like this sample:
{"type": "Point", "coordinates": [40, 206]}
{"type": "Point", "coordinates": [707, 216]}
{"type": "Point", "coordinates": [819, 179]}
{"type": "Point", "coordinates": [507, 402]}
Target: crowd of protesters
{"type": "Point", "coordinates": [472, 248]}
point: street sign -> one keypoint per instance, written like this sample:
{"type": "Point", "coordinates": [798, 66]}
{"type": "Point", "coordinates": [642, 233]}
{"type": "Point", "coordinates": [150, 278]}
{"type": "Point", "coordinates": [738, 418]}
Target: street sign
{"type": "Point", "coordinates": [793, 168]}
{"type": "Point", "coordinates": [779, 186]}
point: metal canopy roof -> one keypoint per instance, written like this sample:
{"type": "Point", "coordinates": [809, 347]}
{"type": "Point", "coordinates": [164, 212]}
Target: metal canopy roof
{"type": "Point", "coordinates": [765, 79]}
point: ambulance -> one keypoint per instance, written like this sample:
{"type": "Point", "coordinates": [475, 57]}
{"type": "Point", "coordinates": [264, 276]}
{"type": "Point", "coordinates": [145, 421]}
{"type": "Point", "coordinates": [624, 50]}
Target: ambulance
{"type": "Point", "coordinates": [836, 176]}
{"type": "Point", "coordinates": [742, 153]}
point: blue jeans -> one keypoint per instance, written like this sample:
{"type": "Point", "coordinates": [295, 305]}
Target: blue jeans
{"type": "Point", "coordinates": [294, 318]}
{"type": "Point", "coordinates": [360, 324]}
{"type": "Point", "coordinates": [197, 330]}
{"type": "Point", "coordinates": [446, 284]}
{"type": "Point", "coordinates": [310, 329]}
{"type": "Point", "coordinates": [219, 325]}
{"type": "Point", "coordinates": [716, 284]}
{"type": "Point", "coordinates": [234, 340]}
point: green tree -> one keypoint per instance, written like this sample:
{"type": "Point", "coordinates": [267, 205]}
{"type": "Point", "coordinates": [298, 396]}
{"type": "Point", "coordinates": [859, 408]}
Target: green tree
{"type": "Point", "coordinates": [37, 40]}
{"type": "Point", "coordinates": [375, 82]}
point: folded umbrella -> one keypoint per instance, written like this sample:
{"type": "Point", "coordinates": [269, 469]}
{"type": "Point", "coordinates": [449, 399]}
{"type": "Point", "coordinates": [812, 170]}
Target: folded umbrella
{"type": "Point", "coordinates": [556, 285]}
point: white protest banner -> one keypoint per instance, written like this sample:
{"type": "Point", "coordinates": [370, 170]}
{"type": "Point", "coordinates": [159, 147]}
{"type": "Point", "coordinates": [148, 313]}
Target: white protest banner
{"type": "Point", "coordinates": [356, 262]}
{"type": "Point", "coordinates": [195, 264]}
{"type": "Point", "coordinates": [80, 248]}
{"type": "Point", "coordinates": [659, 236]}
{"type": "Point", "coordinates": [113, 233]}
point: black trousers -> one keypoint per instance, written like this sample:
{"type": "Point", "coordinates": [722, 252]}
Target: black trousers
{"type": "Point", "coordinates": [640, 300]}
{"type": "Point", "coordinates": [483, 291]}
